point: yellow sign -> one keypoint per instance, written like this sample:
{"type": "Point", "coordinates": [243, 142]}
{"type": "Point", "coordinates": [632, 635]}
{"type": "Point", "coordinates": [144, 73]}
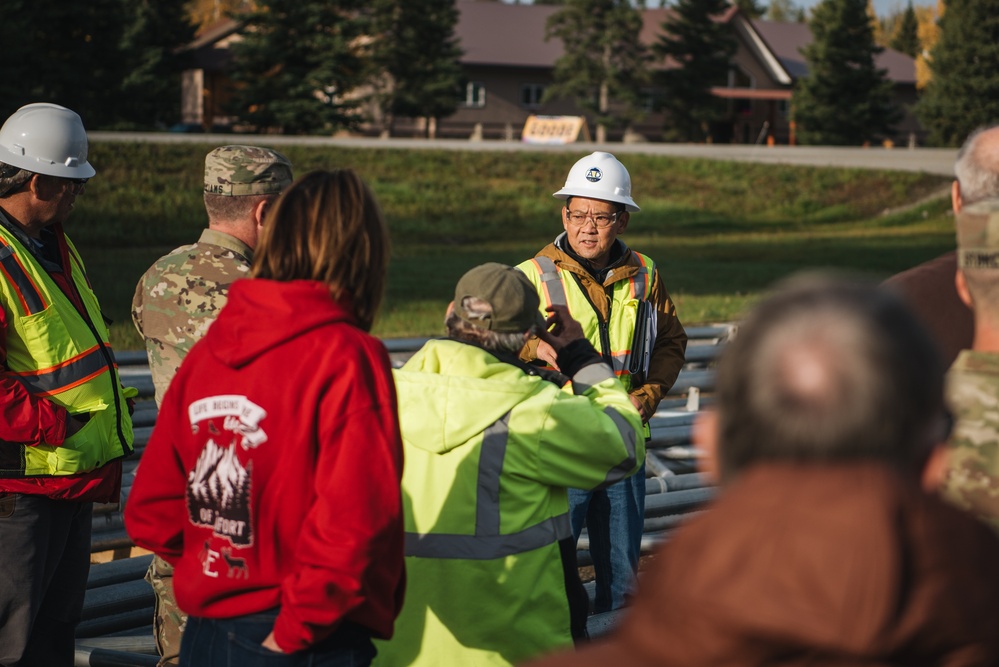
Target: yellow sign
{"type": "Point", "coordinates": [554, 130]}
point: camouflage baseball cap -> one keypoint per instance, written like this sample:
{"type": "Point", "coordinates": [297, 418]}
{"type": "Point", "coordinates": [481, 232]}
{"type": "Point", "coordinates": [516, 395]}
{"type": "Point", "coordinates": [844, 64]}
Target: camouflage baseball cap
{"type": "Point", "coordinates": [513, 298]}
{"type": "Point", "coordinates": [233, 171]}
{"type": "Point", "coordinates": [978, 235]}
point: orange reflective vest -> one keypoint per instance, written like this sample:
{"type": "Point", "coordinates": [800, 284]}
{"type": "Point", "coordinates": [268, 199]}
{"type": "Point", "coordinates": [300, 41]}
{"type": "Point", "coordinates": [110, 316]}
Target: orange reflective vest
{"type": "Point", "coordinates": [64, 357]}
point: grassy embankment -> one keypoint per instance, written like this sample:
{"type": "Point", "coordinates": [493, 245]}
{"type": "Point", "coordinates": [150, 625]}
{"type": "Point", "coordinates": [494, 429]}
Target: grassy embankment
{"type": "Point", "coordinates": [722, 232]}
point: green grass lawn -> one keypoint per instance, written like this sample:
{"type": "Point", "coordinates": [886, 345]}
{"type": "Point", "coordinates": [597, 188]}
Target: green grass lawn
{"type": "Point", "coordinates": [722, 232]}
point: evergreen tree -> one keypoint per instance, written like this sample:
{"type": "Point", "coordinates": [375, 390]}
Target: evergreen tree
{"type": "Point", "coordinates": [906, 36]}
{"type": "Point", "coordinates": [697, 49]}
{"type": "Point", "coordinates": [844, 99]}
{"type": "Point", "coordinates": [151, 86]}
{"type": "Point", "coordinates": [299, 64]}
{"type": "Point", "coordinates": [963, 92]}
{"type": "Point", "coordinates": [751, 8]}
{"type": "Point", "coordinates": [602, 60]}
{"type": "Point", "coordinates": [782, 11]}
{"type": "Point", "coordinates": [417, 56]}
{"type": "Point", "coordinates": [66, 53]}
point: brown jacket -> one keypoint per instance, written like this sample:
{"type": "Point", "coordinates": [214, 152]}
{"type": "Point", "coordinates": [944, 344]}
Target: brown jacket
{"type": "Point", "coordinates": [671, 340]}
{"type": "Point", "coordinates": [798, 565]}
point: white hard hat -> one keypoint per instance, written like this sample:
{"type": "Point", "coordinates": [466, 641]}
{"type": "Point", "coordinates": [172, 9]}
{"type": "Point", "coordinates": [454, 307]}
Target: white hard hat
{"type": "Point", "coordinates": [46, 139]}
{"type": "Point", "coordinates": [599, 176]}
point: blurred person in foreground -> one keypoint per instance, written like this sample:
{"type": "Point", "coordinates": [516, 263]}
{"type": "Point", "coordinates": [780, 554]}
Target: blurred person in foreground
{"type": "Point", "coordinates": [491, 444]}
{"type": "Point", "coordinates": [825, 545]}
{"type": "Point", "coordinates": [182, 293]}
{"type": "Point", "coordinates": [271, 480]}
{"type": "Point", "coordinates": [972, 477]}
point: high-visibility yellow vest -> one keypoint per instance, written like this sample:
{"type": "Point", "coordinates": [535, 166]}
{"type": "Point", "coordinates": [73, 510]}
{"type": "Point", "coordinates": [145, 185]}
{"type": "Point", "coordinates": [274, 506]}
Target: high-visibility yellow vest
{"type": "Point", "coordinates": [612, 338]}
{"type": "Point", "coordinates": [65, 358]}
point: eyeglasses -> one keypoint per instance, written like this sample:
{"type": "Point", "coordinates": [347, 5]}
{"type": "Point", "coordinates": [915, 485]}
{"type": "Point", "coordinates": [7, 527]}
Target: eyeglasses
{"type": "Point", "coordinates": [601, 220]}
{"type": "Point", "coordinates": [76, 184]}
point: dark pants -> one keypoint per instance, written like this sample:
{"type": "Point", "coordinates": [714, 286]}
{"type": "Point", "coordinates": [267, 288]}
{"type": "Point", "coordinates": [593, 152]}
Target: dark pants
{"type": "Point", "coordinates": [44, 563]}
{"type": "Point", "coordinates": [236, 642]}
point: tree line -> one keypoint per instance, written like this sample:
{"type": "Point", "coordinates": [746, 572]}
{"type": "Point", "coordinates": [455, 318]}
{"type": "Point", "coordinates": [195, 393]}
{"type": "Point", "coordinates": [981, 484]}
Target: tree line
{"type": "Point", "coordinates": [319, 66]}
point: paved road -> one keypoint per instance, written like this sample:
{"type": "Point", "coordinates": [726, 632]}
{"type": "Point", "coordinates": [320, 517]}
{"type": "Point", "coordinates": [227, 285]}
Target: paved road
{"type": "Point", "coordinates": [931, 160]}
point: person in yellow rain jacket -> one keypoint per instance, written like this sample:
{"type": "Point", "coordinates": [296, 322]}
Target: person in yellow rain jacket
{"type": "Point", "coordinates": [491, 443]}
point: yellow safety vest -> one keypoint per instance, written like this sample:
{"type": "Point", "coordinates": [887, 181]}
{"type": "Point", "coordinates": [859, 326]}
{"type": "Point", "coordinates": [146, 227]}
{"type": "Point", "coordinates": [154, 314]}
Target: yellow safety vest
{"type": "Point", "coordinates": [65, 358]}
{"type": "Point", "coordinates": [612, 338]}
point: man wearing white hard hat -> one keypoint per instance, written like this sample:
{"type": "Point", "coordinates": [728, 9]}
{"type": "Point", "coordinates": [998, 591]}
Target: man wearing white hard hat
{"type": "Point", "coordinates": [619, 297]}
{"type": "Point", "coordinates": [65, 424]}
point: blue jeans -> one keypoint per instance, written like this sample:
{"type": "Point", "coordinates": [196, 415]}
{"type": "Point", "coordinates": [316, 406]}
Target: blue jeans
{"type": "Point", "coordinates": [614, 518]}
{"type": "Point", "coordinates": [236, 642]}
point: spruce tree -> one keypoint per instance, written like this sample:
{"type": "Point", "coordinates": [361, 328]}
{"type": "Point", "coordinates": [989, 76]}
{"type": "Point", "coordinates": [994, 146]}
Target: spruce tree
{"type": "Point", "coordinates": [751, 8]}
{"type": "Point", "coordinates": [416, 55]}
{"type": "Point", "coordinates": [782, 11]}
{"type": "Point", "coordinates": [150, 89]}
{"type": "Point", "coordinates": [602, 60]}
{"type": "Point", "coordinates": [844, 99]}
{"type": "Point", "coordinates": [299, 65]}
{"type": "Point", "coordinates": [963, 92]}
{"type": "Point", "coordinates": [697, 50]}
{"type": "Point", "coordinates": [66, 53]}
{"type": "Point", "coordinates": [906, 37]}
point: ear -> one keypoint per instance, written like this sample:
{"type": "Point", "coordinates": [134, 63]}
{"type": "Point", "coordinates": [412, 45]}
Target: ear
{"type": "Point", "coordinates": [961, 283]}
{"type": "Point", "coordinates": [622, 221]}
{"type": "Point", "coordinates": [705, 437]}
{"type": "Point", "coordinates": [955, 197]}
{"type": "Point", "coordinates": [935, 469]}
{"type": "Point", "coordinates": [565, 218]}
{"type": "Point", "coordinates": [450, 309]}
{"type": "Point", "coordinates": [260, 211]}
{"type": "Point", "coordinates": [41, 188]}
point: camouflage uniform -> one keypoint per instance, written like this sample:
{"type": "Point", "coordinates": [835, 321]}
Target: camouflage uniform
{"type": "Point", "coordinates": [181, 295]}
{"type": "Point", "coordinates": [175, 302]}
{"type": "Point", "coordinates": [973, 470]}
{"type": "Point", "coordinates": [972, 476]}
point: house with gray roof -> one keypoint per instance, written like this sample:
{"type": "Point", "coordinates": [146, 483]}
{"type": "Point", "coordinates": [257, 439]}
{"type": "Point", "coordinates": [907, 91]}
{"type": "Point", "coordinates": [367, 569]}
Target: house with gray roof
{"type": "Point", "coordinates": [508, 64]}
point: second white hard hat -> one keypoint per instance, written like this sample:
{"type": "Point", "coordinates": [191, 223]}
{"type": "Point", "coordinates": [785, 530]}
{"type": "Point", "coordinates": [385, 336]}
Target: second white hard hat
{"type": "Point", "coordinates": [599, 176]}
{"type": "Point", "coordinates": [46, 139]}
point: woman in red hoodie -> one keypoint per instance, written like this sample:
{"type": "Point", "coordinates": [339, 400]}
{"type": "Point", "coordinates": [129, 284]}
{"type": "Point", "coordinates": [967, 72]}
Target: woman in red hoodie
{"type": "Point", "coordinates": [271, 480]}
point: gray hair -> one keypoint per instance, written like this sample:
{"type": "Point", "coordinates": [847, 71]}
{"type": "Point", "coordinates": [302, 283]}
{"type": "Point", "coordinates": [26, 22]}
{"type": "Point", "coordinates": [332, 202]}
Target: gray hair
{"type": "Point", "coordinates": [829, 370]}
{"type": "Point", "coordinates": [12, 178]}
{"type": "Point", "coordinates": [491, 341]}
{"type": "Point", "coordinates": [977, 173]}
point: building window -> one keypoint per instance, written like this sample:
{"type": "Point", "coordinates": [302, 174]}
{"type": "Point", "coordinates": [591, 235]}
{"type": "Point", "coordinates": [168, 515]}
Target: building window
{"type": "Point", "coordinates": [784, 108]}
{"type": "Point", "coordinates": [530, 95]}
{"type": "Point", "coordinates": [475, 94]}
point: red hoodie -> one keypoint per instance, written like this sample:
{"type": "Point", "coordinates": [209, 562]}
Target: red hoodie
{"type": "Point", "coordinates": [272, 476]}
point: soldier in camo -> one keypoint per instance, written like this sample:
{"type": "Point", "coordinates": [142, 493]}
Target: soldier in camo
{"type": "Point", "coordinates": [182, 293]}
{"type": "Point", "coordinates": [972, 476]}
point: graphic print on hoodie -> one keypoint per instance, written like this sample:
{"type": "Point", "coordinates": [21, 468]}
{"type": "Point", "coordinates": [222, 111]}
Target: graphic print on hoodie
{"type": "Point", "coordinates": [218, 488]}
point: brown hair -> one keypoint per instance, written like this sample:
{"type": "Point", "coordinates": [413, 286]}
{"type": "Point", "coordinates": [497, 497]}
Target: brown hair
{"type": "Point", "coordinates": [327, 226]}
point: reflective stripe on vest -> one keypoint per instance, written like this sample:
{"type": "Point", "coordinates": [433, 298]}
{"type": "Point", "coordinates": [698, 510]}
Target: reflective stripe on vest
{"type": "Point", "coordinates": [553, 290]}
{"type": "Point", "coordinates": [66, 375]}
{"type": "Point", "coordinates": [27, 292]}
{"type": "Point", "coordinates": [488, 543]}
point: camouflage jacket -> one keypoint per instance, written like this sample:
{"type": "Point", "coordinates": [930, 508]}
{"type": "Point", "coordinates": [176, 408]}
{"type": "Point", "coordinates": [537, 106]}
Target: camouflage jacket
{"type": "Point", "coordinates": [181, 295]}
{"type": "Point", "coordinates": [972, 481]}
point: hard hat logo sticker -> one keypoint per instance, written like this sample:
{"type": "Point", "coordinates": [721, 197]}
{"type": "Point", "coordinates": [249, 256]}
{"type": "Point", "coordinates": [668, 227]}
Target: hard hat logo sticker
{"type": "Point", "coordinates": [594, 175]}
